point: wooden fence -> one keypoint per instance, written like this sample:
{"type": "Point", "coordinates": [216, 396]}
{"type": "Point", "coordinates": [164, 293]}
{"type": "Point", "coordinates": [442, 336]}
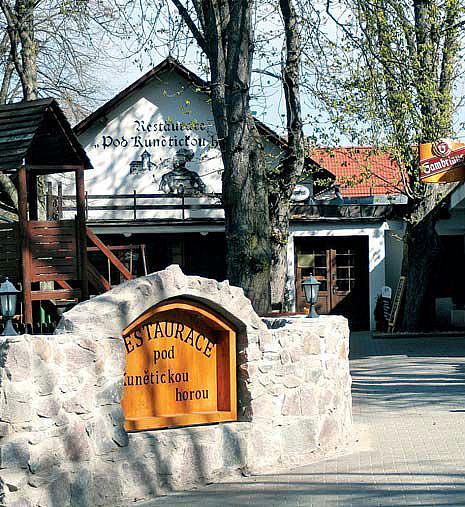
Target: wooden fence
{"type": "Point", "coordinates": [54, 250]}
{"type": "Point", "coordinates": [9, 253]}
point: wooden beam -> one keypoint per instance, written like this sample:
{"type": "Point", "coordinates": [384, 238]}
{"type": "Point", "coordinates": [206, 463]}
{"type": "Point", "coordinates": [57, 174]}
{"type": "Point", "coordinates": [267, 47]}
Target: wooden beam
{"type": "Point", "coordinates": [32, 196]}
{"type": "Point", "coordinates": [25, 246]}
{"type": "Point", "coordinates": [109, 254]}
{"type": "Point", "coordinates": [40, 295]}
{"type": "Point", "coordinates": [97, 279]}
{"type": "Point", "coordinates": [64, 284]}
{"type": "Point", "coordinates": [144, 260]}
{"type": "Point", "coordinates": [60, 201]}
{"type": "Point", "coordinates": [51, 169]}
{"type": "Point", "coordinates": [116, 248]}
{"type": "Point", "coordinates": [81, 231]}
{"type": "Point", "coordinates": [49, 201]}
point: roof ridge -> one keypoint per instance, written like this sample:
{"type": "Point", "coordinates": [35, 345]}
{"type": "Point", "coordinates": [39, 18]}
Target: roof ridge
{"type": "Point", "coordinates": [22, 104]}
{"type": "Point", "coordinates": [347, 148]}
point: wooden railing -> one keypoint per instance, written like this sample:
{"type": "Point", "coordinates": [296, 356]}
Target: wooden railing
{"type": "Point", "coordinates": [95, 277]}
{"type": "Point", "coordinates": [54, 250]}
{"type": "Point", "coordinates": [133, 206]}
{"type": "Point", "coordinates": [54, 258]}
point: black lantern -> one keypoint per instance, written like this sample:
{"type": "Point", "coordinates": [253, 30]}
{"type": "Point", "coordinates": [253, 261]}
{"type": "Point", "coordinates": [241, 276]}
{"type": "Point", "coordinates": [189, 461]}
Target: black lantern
{"type": "Point", "coordinates": [8, 296]}
{"type": "Point", "coordinates": [311, 287]}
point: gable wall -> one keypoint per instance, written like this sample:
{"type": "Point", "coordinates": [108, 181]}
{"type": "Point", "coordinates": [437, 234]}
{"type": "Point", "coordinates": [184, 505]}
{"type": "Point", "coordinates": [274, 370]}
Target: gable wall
{"type": "Point", "coordinates": [144, 121]}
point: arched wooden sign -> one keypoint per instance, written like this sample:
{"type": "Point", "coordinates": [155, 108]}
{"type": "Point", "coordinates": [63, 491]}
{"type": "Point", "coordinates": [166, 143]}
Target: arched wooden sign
{"type": "Point", "coordinates": [180, 367]}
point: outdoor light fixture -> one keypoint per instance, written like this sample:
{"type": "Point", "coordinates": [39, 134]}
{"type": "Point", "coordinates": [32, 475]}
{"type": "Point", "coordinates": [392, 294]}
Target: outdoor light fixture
{"type": "Point", "coordinates": [8, 295]}
{"type": "Point", "coordinates": [311, 287]}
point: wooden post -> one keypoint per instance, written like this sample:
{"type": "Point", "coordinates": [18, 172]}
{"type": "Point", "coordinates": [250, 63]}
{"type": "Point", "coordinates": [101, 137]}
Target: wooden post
{"type": "Point", "coordinates": [81, 228]}
{"type": "Point", "coordinates": [32, 196]}
{"type": "Point", "coordinates": [49, 201]}
{"type": "Point", "coordinates": [25, 245]}
{"type": "Point", "coordinates": [60, 201]}
{"type": "Point", "coordinates": [135, 205]}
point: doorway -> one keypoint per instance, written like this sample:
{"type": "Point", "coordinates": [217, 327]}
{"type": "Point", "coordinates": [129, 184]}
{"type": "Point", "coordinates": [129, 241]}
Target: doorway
{"type": "Point", "coordinates": [341, 267]}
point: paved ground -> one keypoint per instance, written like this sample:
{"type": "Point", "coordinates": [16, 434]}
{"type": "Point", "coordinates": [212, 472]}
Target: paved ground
{"type": "Point", "coordinates": [409, 414]}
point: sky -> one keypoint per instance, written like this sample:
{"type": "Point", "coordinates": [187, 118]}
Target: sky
{"type": "Point", "coordinates": [269, 108]}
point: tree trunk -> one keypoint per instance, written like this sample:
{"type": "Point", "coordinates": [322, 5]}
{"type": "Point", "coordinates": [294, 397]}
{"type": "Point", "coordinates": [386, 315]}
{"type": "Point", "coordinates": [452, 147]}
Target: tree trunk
{"type": "Point", "coordinates": [421, 253]}
{"type": "Point", "coordinates": [224, 31]}
{"type": "Point", "coordinates": [9, 189]}
{"type": "Point", "coordinates": [283, 180]}
{"type": "Point", "coordinates": [25, 30]}
{"type": "Point", "coordinates": [245, 197]}
{"type": "Point", "coordinates": [246, 215]}
{"type": "Point", "coordinates": [279, 223]}
{"type": "Point", "coordinates": [6, 81]}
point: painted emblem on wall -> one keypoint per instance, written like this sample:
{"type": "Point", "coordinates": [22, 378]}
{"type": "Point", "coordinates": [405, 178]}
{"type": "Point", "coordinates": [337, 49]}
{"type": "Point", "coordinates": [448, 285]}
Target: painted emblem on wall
{"type": "Point", "coordinates": [143, 165]}
{"type": "Point", "coordinates": [181, 180]}
{"type": "Point", "coordinates": [441, 149]}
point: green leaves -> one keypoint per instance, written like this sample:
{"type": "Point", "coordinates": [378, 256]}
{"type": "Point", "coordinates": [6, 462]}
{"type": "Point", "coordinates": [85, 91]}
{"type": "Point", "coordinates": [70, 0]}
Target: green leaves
{"type": "Point", "coordinates": [389, 80]}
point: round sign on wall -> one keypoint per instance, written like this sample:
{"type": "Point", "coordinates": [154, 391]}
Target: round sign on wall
{"type": "Point", "coordinates": [300, 193]}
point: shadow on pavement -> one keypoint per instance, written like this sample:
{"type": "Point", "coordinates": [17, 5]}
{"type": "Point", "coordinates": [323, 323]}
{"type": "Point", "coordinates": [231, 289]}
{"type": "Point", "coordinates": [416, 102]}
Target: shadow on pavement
{"type": "Point", "coordinates": [424, 489]}
{"type": "Point", "coordinates": [408, 374]}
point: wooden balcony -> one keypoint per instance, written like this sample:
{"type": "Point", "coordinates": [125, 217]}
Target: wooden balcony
{"type": "Point", "coordinates": [139, 207]}
{"type": "Point", "coordinates": [126, 208]}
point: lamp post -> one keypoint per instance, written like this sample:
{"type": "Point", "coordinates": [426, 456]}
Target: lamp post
{"type": "Point", "coordinates": [8, 296]}
{"type": "Point", "coordinates": [311, 287]}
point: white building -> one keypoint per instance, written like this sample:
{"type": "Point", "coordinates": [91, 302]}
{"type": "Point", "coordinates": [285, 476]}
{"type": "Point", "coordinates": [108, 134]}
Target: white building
{"type": "Point", "coordinates": [135, 198]}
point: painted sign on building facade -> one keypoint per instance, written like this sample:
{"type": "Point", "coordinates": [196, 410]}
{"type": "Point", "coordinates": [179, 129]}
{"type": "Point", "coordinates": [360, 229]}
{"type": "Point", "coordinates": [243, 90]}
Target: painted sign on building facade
{"type": "Point", "coordinates": [180, 368]}
{"type": "Point", "coordinates": [157, 136]}
{"type": "Point", "coordinates": [442, 162]}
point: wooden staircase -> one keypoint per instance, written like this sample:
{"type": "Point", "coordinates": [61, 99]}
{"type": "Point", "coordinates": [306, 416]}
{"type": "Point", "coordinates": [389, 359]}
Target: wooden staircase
{"type": "Point", "coordinates": [59, 271]}
{"type": "Point", "coordinates": [97, 280]}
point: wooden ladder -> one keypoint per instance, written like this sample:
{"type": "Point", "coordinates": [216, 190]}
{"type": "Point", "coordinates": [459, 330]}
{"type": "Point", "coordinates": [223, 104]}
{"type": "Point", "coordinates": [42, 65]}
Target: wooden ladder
{"type": "Point", "coordinates": [396, 304]}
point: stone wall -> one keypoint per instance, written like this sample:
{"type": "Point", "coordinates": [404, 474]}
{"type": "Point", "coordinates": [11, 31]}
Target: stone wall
{"type": "Point", "coordinates": [62, 440]}
{"type": "Point", "coordinates": [61, 422]}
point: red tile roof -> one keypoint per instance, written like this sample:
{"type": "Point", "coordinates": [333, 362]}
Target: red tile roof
{"type": "Point", "coordinates": [360, 171]}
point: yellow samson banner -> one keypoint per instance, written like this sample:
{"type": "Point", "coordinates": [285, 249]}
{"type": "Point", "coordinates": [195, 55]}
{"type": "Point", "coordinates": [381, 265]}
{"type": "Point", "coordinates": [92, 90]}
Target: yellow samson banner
{"type": "Point", "coordinates": [442, 162]}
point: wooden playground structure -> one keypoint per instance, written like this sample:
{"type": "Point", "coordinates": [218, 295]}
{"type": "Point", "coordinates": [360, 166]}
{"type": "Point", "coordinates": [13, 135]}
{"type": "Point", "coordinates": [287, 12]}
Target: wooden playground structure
{"type": "Point", "coordinates": [48, 259]}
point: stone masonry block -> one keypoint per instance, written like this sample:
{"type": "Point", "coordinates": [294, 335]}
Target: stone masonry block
{"type": "Point", "coordinates": [14, 453]}
{"type": "Point", "coordinates": [18, 359]}
{"type": "Point", "coordinates": [14, 480]}
{"type": "Point", "coordinates": [48, 406]}
{"type": "Point", "coordinates": [46, 457]}
{"type": "Point", "coordinates": [15, 402]}
{"type": "Point", "coordinates": [291, 404]}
